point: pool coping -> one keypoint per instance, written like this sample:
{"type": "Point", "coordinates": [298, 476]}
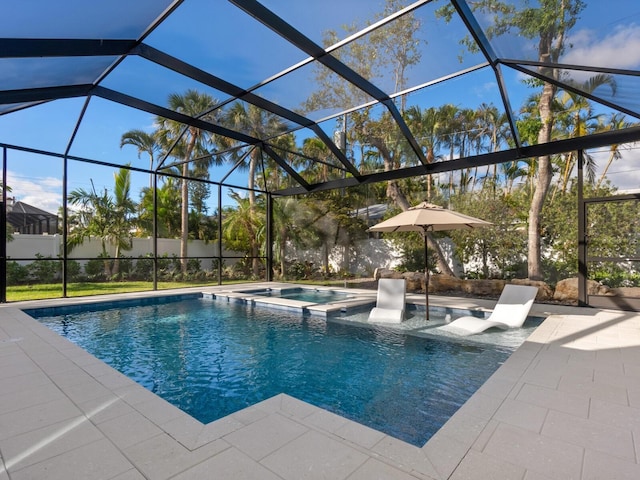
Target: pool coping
{"type": "Point", "coordinates": [249, 295]}
{"type": "Point", "coordinates": [114, 428]}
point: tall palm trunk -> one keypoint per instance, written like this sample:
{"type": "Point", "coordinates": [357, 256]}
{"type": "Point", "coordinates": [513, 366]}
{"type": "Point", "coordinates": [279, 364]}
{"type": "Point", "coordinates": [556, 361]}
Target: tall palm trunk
{"type": "Point", "coordinates": [612, 157]}
{"type": "Point", "coordinates": [115, 270]}
{"type": "Point", "coordinates": [281, 253]}
{"type": "Point", "coordinates": [105, 262]}
{"type": "Point", "coordinates": [184, 239]}
{"type": "Point", "coordinates": [255, 248]}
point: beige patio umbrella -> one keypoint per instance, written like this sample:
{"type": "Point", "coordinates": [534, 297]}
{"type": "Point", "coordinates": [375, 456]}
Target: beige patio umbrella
{"type": "Point", "coordinates": [425, 218]}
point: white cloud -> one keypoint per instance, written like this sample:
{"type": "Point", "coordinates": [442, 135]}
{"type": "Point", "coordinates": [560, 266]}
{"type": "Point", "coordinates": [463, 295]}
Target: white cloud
{"type": "Point", "coordinates": [619, 49]}
{"type": "Point", "coordinates": [484, 88]}
{"type": "Point", "coordinates": [40, 192]}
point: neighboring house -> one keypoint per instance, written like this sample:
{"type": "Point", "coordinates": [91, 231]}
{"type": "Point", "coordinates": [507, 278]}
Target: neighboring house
{"type": "Point", "coordinates": [25, 219]}
{"type": "Point", "coordinates": [371, 215]}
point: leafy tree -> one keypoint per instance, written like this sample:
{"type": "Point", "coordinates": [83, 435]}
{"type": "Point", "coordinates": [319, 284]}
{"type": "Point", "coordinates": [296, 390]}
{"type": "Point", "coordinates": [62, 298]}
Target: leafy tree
{"type": "Point", "coordinates": [500, 248]}
{"type": "Point", "coordinates": [168, 201]}
{"type": "Point", "coordinates": [44, 269]}
{"type": "Point", "coordinates": [16, 274]}
{"type": "Point", "coordinates": [547, 24]}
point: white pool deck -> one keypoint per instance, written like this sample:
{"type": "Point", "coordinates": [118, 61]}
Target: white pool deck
{"type": "Point", "coordinates": [565, 405]}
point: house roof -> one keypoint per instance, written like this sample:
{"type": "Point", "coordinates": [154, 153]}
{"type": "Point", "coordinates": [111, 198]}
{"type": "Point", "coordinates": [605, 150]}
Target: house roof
{"type": "Point", "coordinates": [20, 214]}
{"type": "Point", "coordinates": [22, 208]}
{"type": "Point", "coordinates": [372, 212]}
{"type": "Point", "coordinates": [127, 58]}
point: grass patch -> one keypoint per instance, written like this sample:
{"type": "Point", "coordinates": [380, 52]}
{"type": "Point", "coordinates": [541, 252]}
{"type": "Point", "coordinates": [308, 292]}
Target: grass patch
{"type": "Point", "coordinates": [54, 290]}
{"type": "Point", "coordinates": [18, 293]}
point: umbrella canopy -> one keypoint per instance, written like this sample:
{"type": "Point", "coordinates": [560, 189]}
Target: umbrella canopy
{"type": "Point", "coordinates": [425, 218]}
{"type": "Point", "coordinates": [432, 217]}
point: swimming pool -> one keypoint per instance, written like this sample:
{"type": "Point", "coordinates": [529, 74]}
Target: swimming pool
{"type": "Point", "coordinates": [211, 359]}
{"type": "Point", "coordinates": [303, 294]}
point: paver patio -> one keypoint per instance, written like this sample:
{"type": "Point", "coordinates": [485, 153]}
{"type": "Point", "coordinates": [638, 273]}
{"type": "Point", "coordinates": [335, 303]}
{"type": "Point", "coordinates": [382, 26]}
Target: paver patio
{"type": "Point", "coordinates": [565, 405]}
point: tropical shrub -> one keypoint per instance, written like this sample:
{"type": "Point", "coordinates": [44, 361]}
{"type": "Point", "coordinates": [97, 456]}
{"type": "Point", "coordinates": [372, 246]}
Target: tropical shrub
{"type": "Point", "coordinates": [44, 269]}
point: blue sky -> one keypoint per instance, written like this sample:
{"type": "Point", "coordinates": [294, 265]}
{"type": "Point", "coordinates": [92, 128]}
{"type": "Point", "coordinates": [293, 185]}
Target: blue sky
{"type": "Point", "coordinates": [246, 53]}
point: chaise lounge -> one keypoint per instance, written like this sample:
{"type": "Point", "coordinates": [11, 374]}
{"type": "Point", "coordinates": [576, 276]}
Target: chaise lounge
{"type": "Point", "coordinates": [390, 304]}
{"type": "Point", "coordinates": [511, 311]}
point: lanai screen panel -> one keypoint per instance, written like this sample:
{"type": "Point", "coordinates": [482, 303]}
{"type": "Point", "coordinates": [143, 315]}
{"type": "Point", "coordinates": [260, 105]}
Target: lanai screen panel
{"type": "Point", "coordinates": [305, 62]}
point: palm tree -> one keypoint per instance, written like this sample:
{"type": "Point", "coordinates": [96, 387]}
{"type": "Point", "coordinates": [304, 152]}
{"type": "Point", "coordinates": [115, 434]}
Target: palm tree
{"type": "Point", "coordinates": [617, 121]}
{"type": "Point", "coordinates": [274, 177]}
{"type": "Point", "coordinates": [426, 126]}
{"type": "Point", "coordinates": [580, 119]}
{"type": "Point", "coordinates": [123, 209]}
{"type": "Point", "coordinates": [511, 172]}
{"type": "Point", "coordinates": [241, 227]}
{"type": "Point", "coordinates": [145, 143]}
{"type": "Point", "coordinates": [315, 148]}
{"type": "Point", "coordinates": [449, 124]}
{"type": "Point", "coordinates": [257, 123]}
{"type": "Point", "coordinates": [190, 142]}
{"type": "Point", "coordinates": [263, 125]}
{"type": "Point", "coordinates": [288, 221]}
{"type": "Point", "coordinates": [109, 218]}
{"type": "Point", "coordinates": [168, 205]}
{"type": "Point", "coordinates": [492, 133]}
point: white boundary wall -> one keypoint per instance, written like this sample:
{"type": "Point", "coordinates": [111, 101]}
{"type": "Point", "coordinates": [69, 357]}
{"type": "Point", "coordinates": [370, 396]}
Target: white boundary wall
{"type": "Point", "coordinates": [28, 246]}
{"type": "Point", "coordinates": [370, 253]}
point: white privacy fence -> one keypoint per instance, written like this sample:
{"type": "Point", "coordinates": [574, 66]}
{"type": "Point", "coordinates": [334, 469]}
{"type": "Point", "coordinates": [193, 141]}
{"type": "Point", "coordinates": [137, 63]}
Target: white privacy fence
{"type": "Point", "coordinates": [362, 259]}
{"type": "Point", "coordinates": [29, 246]}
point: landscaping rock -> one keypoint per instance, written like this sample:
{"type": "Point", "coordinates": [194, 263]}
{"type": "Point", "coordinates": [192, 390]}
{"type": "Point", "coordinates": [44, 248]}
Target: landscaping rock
{"type": "Point", "coordinates": [386, 273]}
{"type": "Point", "coordinates": [567, 289]}
{"type": "Point", "coordinates": [415, 281]}
{"type": "Point", "coordinates": [545, 292]}
{"type": "Point", "coordinates": [484, 287]}
{"type": "Point", "coordinates": [444, 283]}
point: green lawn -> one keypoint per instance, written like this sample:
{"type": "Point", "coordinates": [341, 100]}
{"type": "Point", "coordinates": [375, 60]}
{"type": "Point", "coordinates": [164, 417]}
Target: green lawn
{"type": "Point", "coordinates": [54, 290]}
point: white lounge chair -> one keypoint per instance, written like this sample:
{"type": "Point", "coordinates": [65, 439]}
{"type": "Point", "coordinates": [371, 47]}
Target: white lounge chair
{"type": "Point", "coordinates": [390, 303]}
{"type": "Point", "coordinates": [510, 312]}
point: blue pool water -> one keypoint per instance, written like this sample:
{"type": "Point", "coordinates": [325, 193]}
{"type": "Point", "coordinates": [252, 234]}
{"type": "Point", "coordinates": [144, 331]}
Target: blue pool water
{"type": "Point", "coordinates": [304, 294]}
{"type": "Point", "coordinates": [212, 359]}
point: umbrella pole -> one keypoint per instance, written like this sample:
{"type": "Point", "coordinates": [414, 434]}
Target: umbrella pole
{"type": "Point", "coordinates": [426, 272]}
